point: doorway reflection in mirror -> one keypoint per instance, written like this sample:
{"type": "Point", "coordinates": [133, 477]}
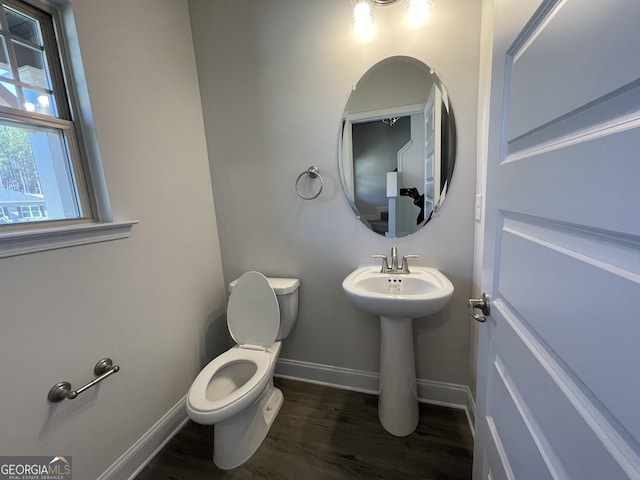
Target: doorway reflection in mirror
{"type": "Point", "coordinates": [397, 148]}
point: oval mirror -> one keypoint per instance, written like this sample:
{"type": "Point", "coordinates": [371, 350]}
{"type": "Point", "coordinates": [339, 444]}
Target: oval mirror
{"type": "Point", "coordinates": [397, 146]}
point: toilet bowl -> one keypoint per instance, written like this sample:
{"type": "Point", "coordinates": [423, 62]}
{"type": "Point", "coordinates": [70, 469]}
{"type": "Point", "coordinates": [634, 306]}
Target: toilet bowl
{"type": "Point", "coordinates": [235, 391]}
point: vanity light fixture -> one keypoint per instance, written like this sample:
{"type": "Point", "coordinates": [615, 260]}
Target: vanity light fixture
{"type": "Point", "coordinates": [363, 16]}
{"type": "Point", "coordinates": [362, 21]}
{"type": "Point", "coordinates": [391, 121]}
{"type": "Point", "coordinates": [418, 12]}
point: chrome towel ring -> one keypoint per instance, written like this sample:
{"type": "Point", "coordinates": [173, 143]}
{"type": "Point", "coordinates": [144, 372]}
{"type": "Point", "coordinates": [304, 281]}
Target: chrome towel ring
{"type": "Point", "coordinates": [313, 172]}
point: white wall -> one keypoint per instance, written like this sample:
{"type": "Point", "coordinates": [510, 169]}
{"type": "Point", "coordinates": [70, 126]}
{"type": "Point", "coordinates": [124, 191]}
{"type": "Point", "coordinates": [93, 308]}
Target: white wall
{"type": "Point", "coordinates": [149, 301]}
{"type": "Point", "coordinates": [373, 92]}
{"type": "Point", "coordinates": [275, 76]}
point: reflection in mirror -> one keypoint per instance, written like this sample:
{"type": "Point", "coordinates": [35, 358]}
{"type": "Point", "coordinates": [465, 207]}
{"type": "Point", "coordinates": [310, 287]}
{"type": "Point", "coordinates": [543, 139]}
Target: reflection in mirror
{"type": "Point", "coordinates": [397, 146]}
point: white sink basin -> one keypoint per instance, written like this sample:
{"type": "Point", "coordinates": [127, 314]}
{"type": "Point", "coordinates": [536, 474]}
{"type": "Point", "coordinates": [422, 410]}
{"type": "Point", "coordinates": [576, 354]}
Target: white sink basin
{"type": "Point", "coordinates": [422, 292]}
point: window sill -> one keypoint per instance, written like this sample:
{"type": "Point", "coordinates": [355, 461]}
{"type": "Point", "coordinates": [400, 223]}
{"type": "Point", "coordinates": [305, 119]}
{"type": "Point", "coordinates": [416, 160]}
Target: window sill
{"type": "Point", "coordinates": [31, 241]}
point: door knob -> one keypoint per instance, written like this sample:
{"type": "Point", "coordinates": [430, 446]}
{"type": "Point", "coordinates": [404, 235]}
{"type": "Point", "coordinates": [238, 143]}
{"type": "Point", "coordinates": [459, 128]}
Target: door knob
{"type": "Point", "coordinates": [481, 304]}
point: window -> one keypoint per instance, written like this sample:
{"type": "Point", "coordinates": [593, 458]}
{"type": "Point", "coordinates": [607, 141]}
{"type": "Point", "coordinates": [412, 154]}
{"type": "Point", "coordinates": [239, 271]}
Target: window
{"type": "Point", "coordinates": [31, 211]}
{"type": "Point", "coordinates": [47, 198]}
{"type": "Point", "coordinates": [42, 164]}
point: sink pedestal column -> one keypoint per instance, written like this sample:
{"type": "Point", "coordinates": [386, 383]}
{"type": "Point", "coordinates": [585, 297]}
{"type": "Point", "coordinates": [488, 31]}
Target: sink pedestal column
{"type": "Point", "coordinates": [398, 400]}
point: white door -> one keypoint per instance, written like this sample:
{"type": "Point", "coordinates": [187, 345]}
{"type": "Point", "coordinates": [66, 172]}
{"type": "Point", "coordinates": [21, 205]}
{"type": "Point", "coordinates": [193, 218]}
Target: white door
{"type": "Point", "coordinates": [432, 149]}
{"type": "Point", "coordinates": [559, 354]}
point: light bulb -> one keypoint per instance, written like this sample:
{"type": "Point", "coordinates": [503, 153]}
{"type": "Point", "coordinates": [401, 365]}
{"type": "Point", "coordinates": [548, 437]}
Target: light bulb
{"type": "Point", "coordinates": [363, 20]}
{"type": "Point", "coordinates": [44, 100]}
{"type": "Point", "coordinates": [418, 12]}
{"type": "Point", "coordinates": [29, 107]}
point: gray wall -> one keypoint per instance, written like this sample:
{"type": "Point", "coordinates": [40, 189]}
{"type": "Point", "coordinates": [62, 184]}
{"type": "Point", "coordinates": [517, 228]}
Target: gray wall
{"type": "Point", "coordinates": [375, 152]}
{"type": "Point", "coordinates": [148, 301]}
{"type": "Point", "coordinates": [274, 79]}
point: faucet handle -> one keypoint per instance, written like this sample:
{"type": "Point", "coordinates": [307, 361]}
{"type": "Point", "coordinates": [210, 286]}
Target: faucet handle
{"type": "Point", "coordinates": [385, 263]}
{"type": "Point", "coordinates": [405, 262]}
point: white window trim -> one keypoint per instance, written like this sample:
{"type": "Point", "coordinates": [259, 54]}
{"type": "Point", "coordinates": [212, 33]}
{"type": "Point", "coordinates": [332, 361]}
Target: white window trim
{"type": "Point", "coordinates": [22, 242]}
{"type": "Point", "coordinates": [31, 241]}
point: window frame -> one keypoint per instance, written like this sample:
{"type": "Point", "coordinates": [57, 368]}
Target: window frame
{"type": "Point", "coordinates": [75, 122]}
{"type": "Point", "coordinates": [63, 122]}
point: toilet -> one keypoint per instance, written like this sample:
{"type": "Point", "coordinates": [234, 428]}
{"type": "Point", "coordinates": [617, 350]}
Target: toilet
{"type": "Point", "coordinates": [235, 391]}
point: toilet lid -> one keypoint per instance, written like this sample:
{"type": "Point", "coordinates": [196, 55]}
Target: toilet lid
{"type": "Point", "coordinates": [253, 315]}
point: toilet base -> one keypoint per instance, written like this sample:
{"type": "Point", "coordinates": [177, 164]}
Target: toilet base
{"type": "Point", "coordinates": [236, 439]}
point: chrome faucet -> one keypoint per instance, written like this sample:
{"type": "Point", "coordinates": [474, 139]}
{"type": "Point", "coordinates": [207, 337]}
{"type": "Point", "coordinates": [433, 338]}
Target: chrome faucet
{"type": "Point", "coordinates": [394, 258]}
{"type": "Point", "coordinates": [404, 267]}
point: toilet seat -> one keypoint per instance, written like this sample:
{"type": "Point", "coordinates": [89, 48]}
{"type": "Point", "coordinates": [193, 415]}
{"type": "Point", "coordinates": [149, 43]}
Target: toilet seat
{"type": "Point", "coordinates": [209, 411]}
{"type": "Point", "coordinates": [253, 314]}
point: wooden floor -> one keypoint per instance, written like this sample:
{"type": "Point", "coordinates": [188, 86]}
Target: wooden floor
{"type": "Point", "coordinates": [322, 433]}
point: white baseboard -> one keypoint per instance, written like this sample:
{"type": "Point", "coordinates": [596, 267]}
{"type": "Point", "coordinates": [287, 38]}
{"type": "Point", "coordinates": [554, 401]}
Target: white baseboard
{"type": "Point", "coordinates": [438, 393]}
{"type": "Point", "coordinates": [338, 377]}
{"type": "Point", "coordinates": [142, 452]}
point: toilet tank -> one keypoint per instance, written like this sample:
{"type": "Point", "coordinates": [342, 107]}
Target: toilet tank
{"type": "Point", "coordinates": [286, 290]}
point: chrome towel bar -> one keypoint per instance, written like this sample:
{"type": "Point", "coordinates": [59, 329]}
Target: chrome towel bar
{"type": "Point", "coordinates": [62, 390]}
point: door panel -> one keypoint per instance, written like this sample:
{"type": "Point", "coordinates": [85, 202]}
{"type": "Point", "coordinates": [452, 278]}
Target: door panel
{"type": "Point", "coordinates": [547, 297]}
{"type": "Point", "coordinates": [558, 386]}
{"type": "Point", "coordinates": [566, 50]}
{"type": "Point", "coordinates": [558, 411]}
{"type": "Point", "coordinates": [512, 423]}
{"type": "Point", "coordinates": [580, 183]}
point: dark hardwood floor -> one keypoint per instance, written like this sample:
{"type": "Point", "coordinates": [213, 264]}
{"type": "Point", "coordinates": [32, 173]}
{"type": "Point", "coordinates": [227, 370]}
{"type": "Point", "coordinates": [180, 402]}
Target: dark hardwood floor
{"type": "Point", "coordinates": [323, 433]}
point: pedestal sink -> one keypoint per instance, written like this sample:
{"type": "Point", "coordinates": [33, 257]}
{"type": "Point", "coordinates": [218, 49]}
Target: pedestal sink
{"type": "Point", "coordinates": [398, 298]}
